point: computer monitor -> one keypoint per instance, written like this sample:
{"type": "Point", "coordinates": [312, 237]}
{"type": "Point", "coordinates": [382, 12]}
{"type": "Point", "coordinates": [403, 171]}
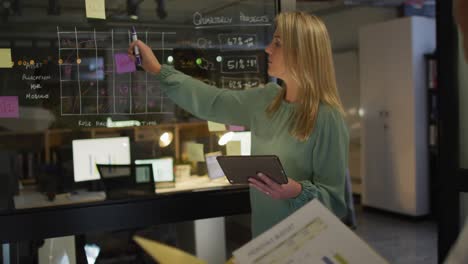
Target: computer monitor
{"type": "Point", "coordinates": [163, 168]}
{"type": "Point", "coordinates": [136, 173]}
{"type": "Point", "coordinates": [88, 152]}
{"type": "Point", "coordinates": [127, 181]}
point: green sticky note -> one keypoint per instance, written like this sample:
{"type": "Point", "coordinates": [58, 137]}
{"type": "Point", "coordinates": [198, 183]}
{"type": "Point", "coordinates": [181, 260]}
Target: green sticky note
{"type": "Point", "coordinates": [96, 9]}
{"type": "Point", "coordinates": [215, 127]}
{"type": "Point", "coordinates": [195, 151]}
{"type": "Point", "coordinates": [5, 58]}
{"type": "Point", "coordinates": [233, 148]}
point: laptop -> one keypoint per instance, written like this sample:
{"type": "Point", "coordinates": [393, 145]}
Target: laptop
{"type": "Point", "coordinates": [127, 181]}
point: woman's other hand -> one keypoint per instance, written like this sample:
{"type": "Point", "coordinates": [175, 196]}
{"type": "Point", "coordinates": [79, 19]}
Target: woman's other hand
{"type": "Point", "coordinates": [276, 191]}
{"type": "Point", "coordinates": [149, 61]}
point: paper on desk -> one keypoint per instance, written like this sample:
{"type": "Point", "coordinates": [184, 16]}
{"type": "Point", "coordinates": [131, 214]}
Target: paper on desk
{"type": "Point", "coordinates": [195, 151]}
{"type": "Point", "coordinates": [164, 254]}
{"type": "Point", "coordinates": [5, 58]}
{"type": "Point", "coordinates": [233, 148]}
{"type": "Point", "coordinates": [310, 235]}
{"type": "Point", "coordinates": [96, 9]}
{"type": "Point", "coordinates": [216, 127]}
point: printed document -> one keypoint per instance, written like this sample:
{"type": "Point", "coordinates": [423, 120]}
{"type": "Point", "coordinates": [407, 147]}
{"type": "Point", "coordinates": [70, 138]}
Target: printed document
{"type": "Point", "coordinates": [310, 235]}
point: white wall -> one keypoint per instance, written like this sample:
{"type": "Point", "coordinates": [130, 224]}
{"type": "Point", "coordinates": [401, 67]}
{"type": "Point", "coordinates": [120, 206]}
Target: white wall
{"type": "Point", "coordinates": [347, 78]}
{"type": "Point", "coordinates": [343, 27]}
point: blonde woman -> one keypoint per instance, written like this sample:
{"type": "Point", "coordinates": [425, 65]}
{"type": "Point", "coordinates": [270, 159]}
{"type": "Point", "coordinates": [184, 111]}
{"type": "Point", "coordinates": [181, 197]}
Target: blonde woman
{"type": "Point", "coordinates": [301, 122]}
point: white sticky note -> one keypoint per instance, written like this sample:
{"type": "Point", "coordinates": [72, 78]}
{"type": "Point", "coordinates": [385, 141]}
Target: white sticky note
{"type": "Point", "coordinates": [233, 148]}
{"type": "Point", "coordinates": [195, 151]}
{"type": "Point", "coordinates": [96, 9]}
{"type": "Point", "coordinates": [215, 127]}
{"type": "Point", "coordinates": [5, 58]}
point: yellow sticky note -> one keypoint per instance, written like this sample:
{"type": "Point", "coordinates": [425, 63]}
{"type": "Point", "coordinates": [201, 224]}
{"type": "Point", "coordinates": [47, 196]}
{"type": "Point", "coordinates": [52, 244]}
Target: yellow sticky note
{"type": "Point", "coordinates": [96, 9]}
{"type": "Point", "coordinates": [233, 148]}
{"type": "Point", "coordinates": [5, 58]}
{"type": "Point", "coordinates": [195, 151]}
{"type": "Point", "coordinates": [215, 127]}
{"type": "Point", "coordinates": [166, 254]}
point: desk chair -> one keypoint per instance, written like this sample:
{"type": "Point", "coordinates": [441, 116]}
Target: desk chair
{"type": "Point", "coordinates": [350, 217]}
{"type": "Point", "coordinates": [126, 181]}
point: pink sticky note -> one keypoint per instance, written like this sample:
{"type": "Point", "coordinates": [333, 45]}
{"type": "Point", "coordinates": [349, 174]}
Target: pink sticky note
{"type": "Point", "coordinates": [9, 106]}
{"type": "Point", "coordinates": [236, 128]}
{"type": "Point", "coordinates": [123, 63]}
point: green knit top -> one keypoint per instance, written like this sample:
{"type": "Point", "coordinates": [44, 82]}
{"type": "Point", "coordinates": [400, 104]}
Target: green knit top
{"type": "Point", "coordinates": [319, 164]}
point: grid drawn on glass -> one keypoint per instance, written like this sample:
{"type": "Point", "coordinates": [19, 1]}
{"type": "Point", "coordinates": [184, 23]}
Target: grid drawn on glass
{"type": "Point", "coordinates": [79, 96]}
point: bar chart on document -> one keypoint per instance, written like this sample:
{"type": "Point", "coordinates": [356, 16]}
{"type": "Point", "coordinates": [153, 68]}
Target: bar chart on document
{"type": "Point", "coordinates": [96, 75]}
{"type": "Point", "coordinates": [312, 234]}
{"type": "Point", "coordinates": [289, 251]}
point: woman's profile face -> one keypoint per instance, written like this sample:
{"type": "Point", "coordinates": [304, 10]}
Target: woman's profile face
{"type": "Point", "coordinates": [274, 50]}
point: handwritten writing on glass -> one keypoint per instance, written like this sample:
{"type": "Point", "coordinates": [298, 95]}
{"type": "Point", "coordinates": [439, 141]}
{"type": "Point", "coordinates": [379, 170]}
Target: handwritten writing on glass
{"type": "Point", "coordinates": [239, 83]}
{"type": "Point", "coordinates": [237, 41]}
{"type": "Point", "coordinates": [122, 90]}
{"type": "Point", "coordinates": [239, 64]}
{"type": "Point", "coordinates": [9, 107]}
{"type": "Point", "coordinates": [124, 63]}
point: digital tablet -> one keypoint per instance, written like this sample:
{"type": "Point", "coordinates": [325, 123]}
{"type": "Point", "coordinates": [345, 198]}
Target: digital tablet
{"type": "Point", "coordinates": [238, 169]}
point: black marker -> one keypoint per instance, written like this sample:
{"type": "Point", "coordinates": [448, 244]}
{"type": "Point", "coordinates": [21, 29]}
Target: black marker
{"type": "Point", "coordinates": [136, 51]}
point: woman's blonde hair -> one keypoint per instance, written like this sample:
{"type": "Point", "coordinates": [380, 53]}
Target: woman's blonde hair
{"type": "Point", "coordinates": [308, 57]}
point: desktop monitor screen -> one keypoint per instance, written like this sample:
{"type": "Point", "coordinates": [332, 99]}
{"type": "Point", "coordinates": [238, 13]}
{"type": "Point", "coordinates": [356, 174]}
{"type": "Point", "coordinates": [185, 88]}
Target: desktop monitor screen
{"type": "Point", "coordinates": [163, 169]}
{"type": "Point", "coordinates": [141, 173]}
{"type": "Point", "coordinates": [88, 152]}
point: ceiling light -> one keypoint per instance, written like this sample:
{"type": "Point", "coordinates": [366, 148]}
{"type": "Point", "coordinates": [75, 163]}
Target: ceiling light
{"type": "Point", "coordinates": [165, 139]}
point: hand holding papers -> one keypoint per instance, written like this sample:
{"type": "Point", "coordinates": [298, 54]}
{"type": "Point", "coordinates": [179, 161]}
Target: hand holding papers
{"type": "Point", "coordinates": [310, 235]}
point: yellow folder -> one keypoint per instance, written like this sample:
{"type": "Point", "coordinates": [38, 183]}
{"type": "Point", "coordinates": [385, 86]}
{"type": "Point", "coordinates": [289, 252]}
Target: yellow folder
{"type": "Point", "coordinates": [165, 254]}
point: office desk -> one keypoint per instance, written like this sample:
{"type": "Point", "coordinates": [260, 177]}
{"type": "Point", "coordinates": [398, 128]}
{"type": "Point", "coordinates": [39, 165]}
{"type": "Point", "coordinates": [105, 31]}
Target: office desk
{"type": "Point", "coordinates": [110, 215]}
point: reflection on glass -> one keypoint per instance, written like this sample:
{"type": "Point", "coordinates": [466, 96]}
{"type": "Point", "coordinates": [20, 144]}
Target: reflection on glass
{"type": "Point", "coordinates": [165, 139]}
{"type": "Point", "coordinates": [68, 90]}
